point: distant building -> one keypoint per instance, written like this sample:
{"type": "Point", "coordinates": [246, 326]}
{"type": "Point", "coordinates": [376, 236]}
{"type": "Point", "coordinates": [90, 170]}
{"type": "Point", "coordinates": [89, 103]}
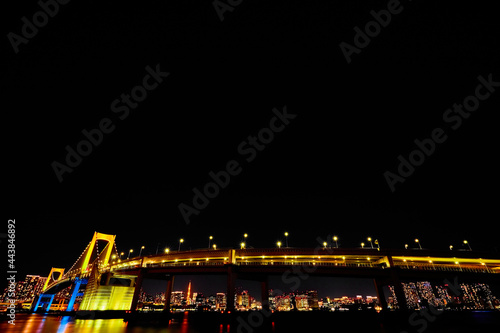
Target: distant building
{"type": "Point", "coordinates": [474, 296]}
{"type": "Point", "coordinates": [301, 302]}
{"type": "Point", "coordinates": [220, 301]}
{"type": "Point", "coordinates": [177, 298]}
{"type": "Point", "coordinates": [26, 290]}
{"type": "Point", "coordinates": [199, 299]}
{"type": "Point", "coordinates": [283, 303]}
{"type": "Point", "coordinates": [312, 298]}
{"type": "Point", "coordinates": [159, 298]}
{"type": "Point", "coordinates": [243, 300]}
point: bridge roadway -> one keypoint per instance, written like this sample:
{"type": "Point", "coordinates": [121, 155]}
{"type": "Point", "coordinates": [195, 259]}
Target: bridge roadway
{"type": "Point", "coordinates": [338, 260]}
{"type": "Point", "coordinates": [383, 266]}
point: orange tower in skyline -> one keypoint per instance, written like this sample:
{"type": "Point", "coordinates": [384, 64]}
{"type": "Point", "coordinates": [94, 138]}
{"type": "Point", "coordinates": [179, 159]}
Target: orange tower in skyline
{"type": "Point", "coordinates": [188, 295]}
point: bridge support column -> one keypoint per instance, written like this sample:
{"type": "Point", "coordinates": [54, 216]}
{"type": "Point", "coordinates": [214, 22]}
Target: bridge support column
{"type": "Point", "coordinates": [168, 294]}
{"type": "Point", "coordinates": [231, 278]}
{"type": "Point", "coordinates": [398, 290]}
{"type": "Point", "coordinates": [137, 291]}
{"type": "Point", "coordinates": [380, 293]}
{"type": "Point", "coordinates": [50, 302]}
{"type": "Point", "coordinates": [76, 289]}
{"type": "Point", "coordinates": [264, 292]}
{"type": "Point", "coordinates": [38, 302]}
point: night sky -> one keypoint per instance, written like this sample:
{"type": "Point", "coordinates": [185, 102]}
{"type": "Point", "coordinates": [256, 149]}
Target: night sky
{"type": "Point", "coordinates": [323, 174]}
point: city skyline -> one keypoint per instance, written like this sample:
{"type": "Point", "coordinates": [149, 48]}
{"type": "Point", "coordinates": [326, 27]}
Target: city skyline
{"type": "Point", "coordinates": [337, 287]}
{"type": "Point", "coordinates": [419, 295]}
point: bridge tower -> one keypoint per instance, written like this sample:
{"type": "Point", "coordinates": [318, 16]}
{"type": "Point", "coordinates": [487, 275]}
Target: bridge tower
{"type": "Point", "coordinates": [50, 279]}
{"type": "Point", "coordinates": [104, 255]}
{"type": "Point", "coordinates": [104, 290]}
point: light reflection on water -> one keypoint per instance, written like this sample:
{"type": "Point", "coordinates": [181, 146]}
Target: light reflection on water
{"type": "Point", "coordinates": [285, 323]}
{"type": "Point", "coordinates": [34, 323]}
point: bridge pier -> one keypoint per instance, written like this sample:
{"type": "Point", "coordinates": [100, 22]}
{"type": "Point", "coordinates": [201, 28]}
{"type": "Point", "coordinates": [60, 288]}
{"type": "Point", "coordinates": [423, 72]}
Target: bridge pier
{"type": "Point", "coordinates": [50, 302]}
{"type": "Point", "coordinates": [168, 294]}
{"type": "Point", "coordinates": [76, 289]}
{"type": "Point", "coordinates": [264, 292]}
{"type": "Point", "coordinates": [398, 290]}
{"type": "Point", "coordinates": [380, 293]}
{"type": "Point", "coordinates": [231, 278]}
{"type": "Point", "coordinates": [137, 290]}
{"type": "Point", "coordinates": [37, 302]}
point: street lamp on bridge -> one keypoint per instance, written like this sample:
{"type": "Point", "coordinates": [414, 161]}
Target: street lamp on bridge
{"type": "Point", "coordinates": [362, 245]}
{"type": "Point", "coordinates": [324, 245]}
{"type": "Point", "coordinates": [418, 242]}
{"type": "Point", "coordinates": [370, 240]}
{"type": "Point", "coordinates": [451, 247]}
{"type": "Point", "coordinates": [286, 238]}
{"type": "Point", "coordinates": [378, 245]}
{"type": "Point", "coordinates": [180, 242]}
{"type": "Point", "coordinates": [483, 264]}
{"type": "Point", "coordinates": [242, 245]}
{"type": "Point", "coordinates": [129, 252]}
{"type": "Point", "coordinates": [121, 254]}
{"type": "Point", "coordinates": [140, 252]}
{"type": "Point", "coordinates": [209, 240]}
{"type": "Point", "coordinates": [466, 242]}
{"type": "Point", "coordinates": [214, 246]}
{"type": "Point", "coordinates": [335, 239]}
{"type": "Point", "coordinates": [167, 250]}
{"type": "Point", "coordinates": [279, 244]}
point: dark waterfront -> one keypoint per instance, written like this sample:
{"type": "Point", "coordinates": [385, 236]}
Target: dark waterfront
{"type": "Point", "coordinates": [474, 321]}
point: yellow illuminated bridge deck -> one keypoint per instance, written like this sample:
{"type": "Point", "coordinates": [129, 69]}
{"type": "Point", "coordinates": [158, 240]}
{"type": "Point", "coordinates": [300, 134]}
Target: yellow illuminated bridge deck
{"type": "Point", "coordinates": [464, 261]}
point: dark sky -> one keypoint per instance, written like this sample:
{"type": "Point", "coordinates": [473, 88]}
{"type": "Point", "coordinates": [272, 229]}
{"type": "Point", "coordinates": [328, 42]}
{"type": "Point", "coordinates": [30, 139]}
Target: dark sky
{"type": "Point", "coordinates": [322, 175]}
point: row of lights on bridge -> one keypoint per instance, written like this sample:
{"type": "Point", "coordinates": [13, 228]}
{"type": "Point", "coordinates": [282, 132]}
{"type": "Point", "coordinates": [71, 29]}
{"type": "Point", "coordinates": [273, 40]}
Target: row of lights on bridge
{"type": "Point", "coordinates": [243, 244]}
{"type": "Point", "coordinates": [451, 246]}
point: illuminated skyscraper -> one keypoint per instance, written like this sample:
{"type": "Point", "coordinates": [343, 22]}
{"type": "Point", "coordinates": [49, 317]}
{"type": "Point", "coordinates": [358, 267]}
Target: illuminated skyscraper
{"type": "Point", "coordinates": [27, 289]}
{"type": "Point", "coordinates": [312, 298]}
{"type": "Point", "coordinates": [177, 298]}
{"type": "Point", "coordinates": [220, 301]}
